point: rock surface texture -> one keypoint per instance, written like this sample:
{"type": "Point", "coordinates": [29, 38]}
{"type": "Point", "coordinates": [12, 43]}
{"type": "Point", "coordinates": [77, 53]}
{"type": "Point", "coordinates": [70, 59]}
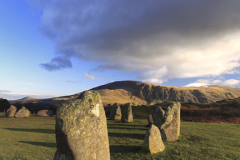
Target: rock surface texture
{"type": "Point", "coordinates": [158, 116]}
{"type": "Point", "coordinates": [23, 112]}
{"type": "Point", "coordinates": [170, 129]}
{"type": "Point", "coordinates": [45, 113]}
{"type": "Point", "coordinates": [81, 129]}
{"type": "Point", "coordinates": [11, 111]}
{"type": "Point", "coordinates": [150, 119]}
{"type": "Point", "coordinates": [127, 115]}
{"type": "Point", "coordinates": [115, 112]}
{"type": "Point", "coordinates": [153, 140]}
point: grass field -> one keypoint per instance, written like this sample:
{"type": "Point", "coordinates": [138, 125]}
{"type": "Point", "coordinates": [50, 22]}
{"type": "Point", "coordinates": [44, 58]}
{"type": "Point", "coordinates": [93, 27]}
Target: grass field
{"type": "Point", "coordinates": [34, 138]}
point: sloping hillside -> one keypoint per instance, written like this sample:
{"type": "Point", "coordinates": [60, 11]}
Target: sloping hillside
{"type": "Point", "coordinates": [145, 93]}
{"type": "Point", "coordinates": [25, 100]}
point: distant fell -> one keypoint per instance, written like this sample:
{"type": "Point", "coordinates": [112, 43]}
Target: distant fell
{"type": "Point", "coordinates": [28, 98]}
{"type": "Point", "coordinates": [146, 93]}
{"type": "Point", "coordinates": [140, 93]}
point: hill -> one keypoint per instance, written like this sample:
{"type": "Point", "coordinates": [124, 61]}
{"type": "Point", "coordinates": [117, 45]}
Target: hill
{"type": "Point", "coordinates": [145, 93]}
{"type": "Point", "coordinates": [140, 93]}
{"type": "Point", "coordinates": [28, 99]}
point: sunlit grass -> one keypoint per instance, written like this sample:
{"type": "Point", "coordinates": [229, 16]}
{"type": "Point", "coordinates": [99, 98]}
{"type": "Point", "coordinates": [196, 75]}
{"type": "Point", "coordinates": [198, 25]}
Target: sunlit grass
{"type": "Point", "coordinates": [34, 138]}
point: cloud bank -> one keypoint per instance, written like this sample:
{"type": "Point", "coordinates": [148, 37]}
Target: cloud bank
{"type": "Point", "coordinates": [207, 82]}
{"type": "Point", "coordinates": [158, 39]}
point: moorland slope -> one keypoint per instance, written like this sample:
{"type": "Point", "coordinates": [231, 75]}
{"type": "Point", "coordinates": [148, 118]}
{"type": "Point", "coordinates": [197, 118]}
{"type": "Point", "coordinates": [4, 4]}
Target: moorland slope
{"type": "Point", "coordinates": [145, 93]}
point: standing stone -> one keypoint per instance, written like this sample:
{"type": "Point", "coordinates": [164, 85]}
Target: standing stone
{"type": "Point", "coordinates": [158, 116]}
{"type": "Point", "coordinates": [81, 129]}
{"type": "Point", "coordinates": [45, 113]}
{"type": "Point", "coordinates": [150, 119]}
{"type": "Point", "coordinates": [170, 129]}
{"type": "Point", "coordinates": [11, 111]}
{"type": "Point", "coordinates": [127, 113]}
{"type": "Point", "coordinates": [23, 112]}
{"type": "Point", "coordinates": [153, 140]}
{"type": "Point", "coordinates": [115, 112]}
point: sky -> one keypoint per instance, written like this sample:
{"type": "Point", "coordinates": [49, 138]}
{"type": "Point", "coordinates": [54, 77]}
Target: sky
{"type": "Point", "coordinates": [52, 48]}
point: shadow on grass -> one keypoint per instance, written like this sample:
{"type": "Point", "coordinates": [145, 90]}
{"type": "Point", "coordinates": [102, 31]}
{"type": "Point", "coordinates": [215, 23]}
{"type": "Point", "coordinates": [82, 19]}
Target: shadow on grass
{"type": "Point", "coordinates": [125, 149]}
{"type": "Point", "coordinates": [49, 131]}
{"type": "Point", "coordinates": [126, 128]}
{"type": "Point", "coordinates": [44, 144]}
{"type": "Point", "coordinates": [127, 135]}
{"type": "Point", "coordinates": [124, 124]}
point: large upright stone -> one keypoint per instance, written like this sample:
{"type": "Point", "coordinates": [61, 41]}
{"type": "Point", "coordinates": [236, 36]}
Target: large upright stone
{"type": "Point", "coordinates": [153, 140]}
{"type": "Point", "coordinates": [11, 111]}
{"type": "Point", "coordinates": [158, 116]}
{"type": "Point", "coordinates": [23, 112]}
{"type": "Point", "coordinates": [150, 119]}
{"type": "Point", "coordinates": [81, 129]}
{"type": "Point", "coordinates": [45, 113]}
{"type": "Point", "coordinates": [170, 129]}
{"type": "Point", "coordinates": [127, 113]}
{"type": "Point", "coordinates": [115, 112]}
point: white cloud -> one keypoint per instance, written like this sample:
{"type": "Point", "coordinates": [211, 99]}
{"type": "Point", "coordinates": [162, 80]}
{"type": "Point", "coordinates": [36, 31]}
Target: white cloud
{"type": "Point", "coordinates": [4, 91]}
{"type": "Point", "coordinates": [160, 40]}
{"type": "Point", "coordinates": [231, 82]}
{"type": "Point", "coordinates": [218, 81]}
{"type": "Point", "coordinates": [154, 81]}
{"type": "Point", "coordinates": [88, 76]}
{"type": "Point", "coordinates": [207, 82]}
{"type": "Point", "coordinates": [199, 83]}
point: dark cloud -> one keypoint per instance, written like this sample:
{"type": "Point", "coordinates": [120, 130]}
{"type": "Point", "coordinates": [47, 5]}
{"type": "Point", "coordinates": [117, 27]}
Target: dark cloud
{"type": "Point", "coordinates": [146, 36]}
{"type": "Point", "coordinates": [57, 63]}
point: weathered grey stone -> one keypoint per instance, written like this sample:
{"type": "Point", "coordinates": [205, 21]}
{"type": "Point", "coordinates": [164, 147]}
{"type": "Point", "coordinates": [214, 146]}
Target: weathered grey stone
{"type": "Point", "coordinates": [115, 112]}
{"type": "Point", "coordinates": [150, 119]}
{"type": "Point", "coordinates": [170, 129]}
{"type": "Point", "coordinates": [81, 129]}
{"type": "Point", "coordinates": [127, 113]}
{"type": "Point", "coordinates": [158, 116]}
{"type": "Point", "coordinates": [45, 113]}
{"type": "Point", "coordinates": [23, 112]}
{"type": "Point", "coordinates": [153, 140]}
{"type": "Point", "coordinates": [11, 111]}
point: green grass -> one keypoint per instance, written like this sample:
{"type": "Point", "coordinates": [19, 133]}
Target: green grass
{"type": "Point", "coordinates": [34, 138]}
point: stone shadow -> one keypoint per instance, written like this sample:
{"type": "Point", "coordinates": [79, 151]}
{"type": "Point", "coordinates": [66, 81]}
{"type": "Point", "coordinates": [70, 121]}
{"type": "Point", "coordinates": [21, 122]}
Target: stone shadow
{"type": "Point", "coordinates": [44, 144]}
{"type": "Point", "coordinates": [127, 128]}
{"type": "Point", "coordinates": [49, 131]}
{"type": "Point", "coordinates": [125, 149]}
{"type": "Point", "coordinates": [124, 124]}
{"type": "Point", "coordinates": [127, 135]}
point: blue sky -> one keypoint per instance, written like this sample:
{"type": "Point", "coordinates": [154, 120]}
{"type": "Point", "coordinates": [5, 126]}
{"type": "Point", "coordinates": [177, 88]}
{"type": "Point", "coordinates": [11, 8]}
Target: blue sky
{"type": "Point", "coordinates": [54, 48]}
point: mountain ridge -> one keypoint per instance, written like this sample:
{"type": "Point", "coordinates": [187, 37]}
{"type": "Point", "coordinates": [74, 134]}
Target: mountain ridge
{"type": "Point", "coordinates": [141, 93]}
{"type": "Point", "coordinates": [152, 93]}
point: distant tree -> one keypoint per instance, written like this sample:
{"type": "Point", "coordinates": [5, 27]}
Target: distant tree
{"type": "Point", "coordinates": [4, 104]}
{"type": "Point", "coordinates": [53, 108]}
{"type": "Point", "coordinates": [18, 105]}
{"type": "Point", "coordinates": [29, 106]}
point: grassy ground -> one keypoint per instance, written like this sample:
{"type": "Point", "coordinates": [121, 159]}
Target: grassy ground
{"type": "Point", "coordinates": [34, 138]}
